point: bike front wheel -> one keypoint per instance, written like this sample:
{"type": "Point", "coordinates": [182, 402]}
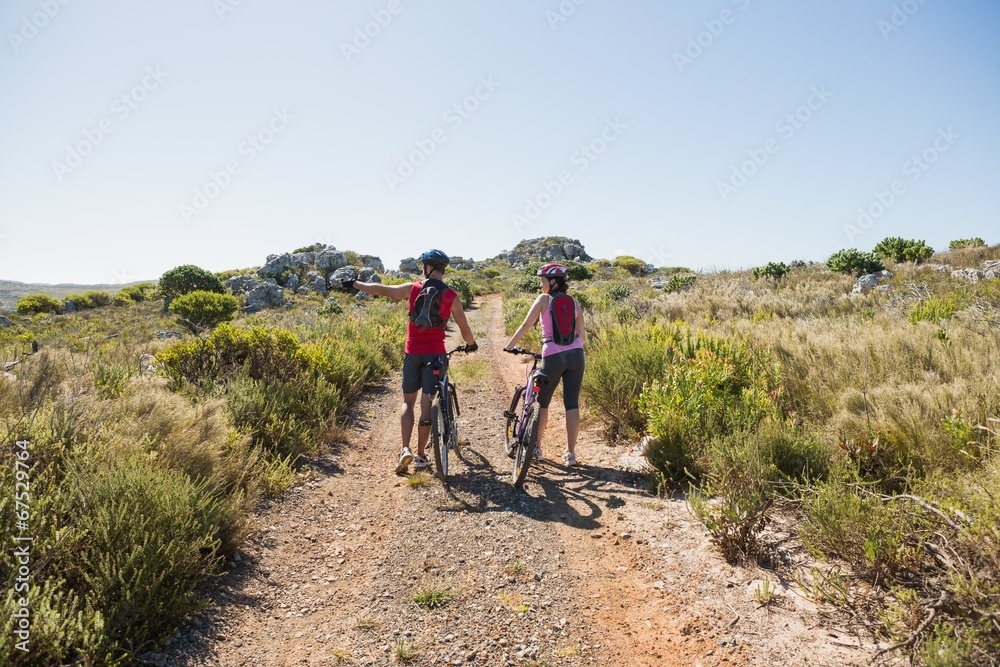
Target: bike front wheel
{"type": "Point", "coordinates": [451, 421]}
{"type": "Point", "coordinates": [439, 438]}
{"type": "Point", "coordinates": [526, 445]}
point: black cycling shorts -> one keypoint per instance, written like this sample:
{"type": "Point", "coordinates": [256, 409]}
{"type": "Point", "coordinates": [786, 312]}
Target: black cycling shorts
{"type": "Point", "coordinates": [418, 372]}
{"type": "Point", "coordinates": [567, 365]}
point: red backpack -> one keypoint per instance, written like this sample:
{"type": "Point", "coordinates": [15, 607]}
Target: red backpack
{"type": "Point", "coordinates": [562, 309]}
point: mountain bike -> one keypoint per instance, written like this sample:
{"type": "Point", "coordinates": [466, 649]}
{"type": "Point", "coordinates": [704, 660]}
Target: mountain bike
{"type": "Point", "coordinates": [444, 416]}
{"type": "Point", "coordinates": [521, 433]}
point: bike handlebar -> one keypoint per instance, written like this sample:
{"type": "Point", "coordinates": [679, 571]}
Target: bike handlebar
{"type": "Point", "coordinates": [521, 350]}
{"type": "Point", "coordinates": [461, 348]}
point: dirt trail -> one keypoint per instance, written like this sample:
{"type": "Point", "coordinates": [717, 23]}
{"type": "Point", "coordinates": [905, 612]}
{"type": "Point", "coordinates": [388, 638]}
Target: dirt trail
{"type": "Point", "coordinates": [580, 568]}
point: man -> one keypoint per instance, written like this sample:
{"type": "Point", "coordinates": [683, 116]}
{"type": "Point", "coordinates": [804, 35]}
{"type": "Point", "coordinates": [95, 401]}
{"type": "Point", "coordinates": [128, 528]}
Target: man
{"type": "Point", "coordinates": [432, 302]}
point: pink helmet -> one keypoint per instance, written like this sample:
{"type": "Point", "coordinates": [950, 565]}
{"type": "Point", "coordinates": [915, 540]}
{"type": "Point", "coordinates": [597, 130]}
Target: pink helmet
{"type": "Point", "coordinates": [553, 270]}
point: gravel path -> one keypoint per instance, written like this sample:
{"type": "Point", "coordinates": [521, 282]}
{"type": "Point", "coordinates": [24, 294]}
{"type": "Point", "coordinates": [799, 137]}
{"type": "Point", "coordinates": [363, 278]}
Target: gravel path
{"type": "Point", "coordinates": [580, 568]}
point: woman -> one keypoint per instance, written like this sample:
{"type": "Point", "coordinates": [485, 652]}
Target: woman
{"type": "Point", "coordinates": [563, 338]}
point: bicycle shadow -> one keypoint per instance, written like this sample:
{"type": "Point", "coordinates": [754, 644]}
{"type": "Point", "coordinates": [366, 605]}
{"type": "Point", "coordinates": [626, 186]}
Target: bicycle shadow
{"type": "Point", "coordinates": [576, 496]}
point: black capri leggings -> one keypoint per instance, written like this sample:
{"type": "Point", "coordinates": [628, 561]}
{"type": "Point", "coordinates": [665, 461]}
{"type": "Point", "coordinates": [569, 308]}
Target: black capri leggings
{"type": "Point", "coordinates": [567, 365]}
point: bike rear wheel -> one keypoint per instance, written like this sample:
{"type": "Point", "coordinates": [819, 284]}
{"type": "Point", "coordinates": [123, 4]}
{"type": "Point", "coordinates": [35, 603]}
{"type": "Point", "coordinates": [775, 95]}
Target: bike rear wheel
{"type": "Point", "coordinates": [526, 446]}
{"type": "Point", "coordinates": [439, 439]}
{"type": "Point", "coordinates": [513, 418]}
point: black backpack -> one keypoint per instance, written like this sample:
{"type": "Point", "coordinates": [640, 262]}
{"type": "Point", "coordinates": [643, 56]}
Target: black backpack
{"type": "Point", "coordinates": [426, 312]}
{"type": "Point", "coordinates": [562, 309]}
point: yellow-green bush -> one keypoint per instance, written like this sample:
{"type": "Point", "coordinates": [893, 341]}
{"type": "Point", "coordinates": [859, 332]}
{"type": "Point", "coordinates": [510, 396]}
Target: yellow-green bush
{"type": "Point", "coordinates": [38, 303]}
{"type": "Point", "coordinates": [202, 310]}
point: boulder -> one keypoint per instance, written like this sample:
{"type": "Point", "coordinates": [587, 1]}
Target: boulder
{"type": "Point", "coordinates": [409, 266]}
{"type": "Point", "coordinates": [372, 261]}
{"type": "Point", "coordinates": [991, 270]}
{"type": "Point", "coordinates": [293, 282]}
{"type": "Point", "coordinates": [968, 275]}
{"type": "Point", "coordinates": [276, 265]}
{"type": "Point", "coordinates": [865, 284]}
{"type": "Point", "coordinates": [167, 335]}
{"type": "Point", "coordinates": [242, 284]}
{"type": "Point", "coordinates": [314, 282]}
{"type": "Point", "coordinates": [330, 260]}
{"type": "Point", "coordinates": [5, 322]}
{"type": "Point", "coordinates": [265, 295]}
{"type": "Point", "coordinates": [342, 274]}
{"type": "Point", "coordinates": [368, 275]}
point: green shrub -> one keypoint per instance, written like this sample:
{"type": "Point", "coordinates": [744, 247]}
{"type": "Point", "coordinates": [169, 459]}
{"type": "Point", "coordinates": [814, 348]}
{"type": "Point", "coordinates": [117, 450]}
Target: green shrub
{"type": "Point", "coordinates": [138, 293]}
{"type": "Point", "coordinates": [464, 289]}
{"type": "Point", "coordinates": [621, 360]}
{"type": "Point", "coordinates": [854, 262]}
{"type": "Point", "coordinates": [711, 393]}
{"type": "Point", "coordinates": [619, 292]}
{"type": "Point", "coordinates": [903, 250]}
{"type": "Point", "coordinates": [936, 309]}
{"type": "Point", "coordinates": [188, 278]}
{"type": "Point", "coordinates": [577, 271]}
{"type": "Point", "coordinates": [204, 310]}
{"type": "Point", "coordinates": [223, 276]}
{"type": "Point", "coordinates": [527, 284]}
{"type": "Point", "coordinates": [78, 301]}
{"type": "Point", "coordinates": [38, 303]}
{"type": "Point", "coordinates": [680, 282]}
{"type": "Point", "coordinates": [331, 307]}
{"type": "Point", "coordinates": [775, 270]}
{"type": "Point", "coordinates": [633, 265]}
{"type": "Point", "coordinates": [966, 243]}
{"type": "Point", "coordinates": [120, 300]}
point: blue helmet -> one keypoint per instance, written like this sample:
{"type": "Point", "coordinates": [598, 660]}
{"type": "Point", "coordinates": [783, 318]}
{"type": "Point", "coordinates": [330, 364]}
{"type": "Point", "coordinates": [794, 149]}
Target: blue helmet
{"type": "Point", "coordinates": [435, 258]}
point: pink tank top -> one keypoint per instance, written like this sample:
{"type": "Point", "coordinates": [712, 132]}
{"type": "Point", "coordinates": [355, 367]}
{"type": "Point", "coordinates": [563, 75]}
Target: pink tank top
{"type": "Point", "coordinates": [548, 329]}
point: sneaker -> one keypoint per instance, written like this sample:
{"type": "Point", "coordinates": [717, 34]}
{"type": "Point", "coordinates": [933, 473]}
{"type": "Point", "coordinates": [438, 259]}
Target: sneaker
{"type": "Point", "coordinates": [420, 463]}
{"type": "Point", "coordinates": [405, 457]}
{"type": "Point", "coordinates": [569, 458]}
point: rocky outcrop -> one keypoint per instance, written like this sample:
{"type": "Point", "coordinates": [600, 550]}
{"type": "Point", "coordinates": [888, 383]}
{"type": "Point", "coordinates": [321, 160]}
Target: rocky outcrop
{"type": "Point", "coordinates": [546, 249]}
{"type": "Point", "coordinates": [5, 322]}
{"type": "Point", "coordinates": [411, 265]}
{"type": "Point", "coordinates": [968, 275]}
{"type": "Point", "coordinates": [991, 269]}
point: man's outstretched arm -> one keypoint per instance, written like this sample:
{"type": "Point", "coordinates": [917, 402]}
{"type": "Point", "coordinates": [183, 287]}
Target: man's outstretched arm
{"type": "Point", "coordinates": [397, 292]}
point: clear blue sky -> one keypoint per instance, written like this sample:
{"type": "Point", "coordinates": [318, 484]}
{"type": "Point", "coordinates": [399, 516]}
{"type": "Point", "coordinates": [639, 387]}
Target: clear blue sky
{"type": "Point", "coordinates": [183, 85]}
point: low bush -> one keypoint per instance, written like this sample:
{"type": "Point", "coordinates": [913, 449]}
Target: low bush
{"type": "Point", "coordinates": [38, 303]}
{"type": "Point", "coordinates": [775, 270]}
{"type": "Point", "coordinates": [854, 262]}
{"type": "Point", "coordinates": [203, 310]}
{"type": "Point", "coordinates": [903, 250]}
{"type": "Point", "coordinates": [621, 360]}
{"type": "Point", "coordinates": [958, 244]}
{"type": "Point", "coordinates": [680, 282]}
{"type": "Point", "coordinates": [464, 289]}
{"type": "Point", "coordinates": [139, 292]}
{"type": "Point", "coordinates": [188, 278]}
{"type": "Point", "coordinates": [632, 265]}
{"type": "Point", "coordinates": [619, 292]}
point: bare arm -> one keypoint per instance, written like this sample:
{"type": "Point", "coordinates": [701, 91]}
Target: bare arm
{"type": "Point", "coordinates": [463, 324]}
{"type": "Point", "coordinates": [397, 292]}
{"type": "Point", "coordinates": [581, 329]}
{"type": "Point", "coordinates": [529, 321]}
